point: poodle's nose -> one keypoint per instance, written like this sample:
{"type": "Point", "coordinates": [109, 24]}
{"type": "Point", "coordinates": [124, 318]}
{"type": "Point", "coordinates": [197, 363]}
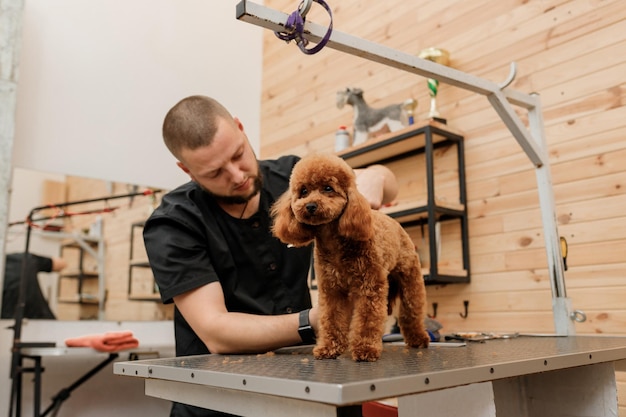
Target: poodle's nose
{"type": "Point", "coordinates": [311, 207]}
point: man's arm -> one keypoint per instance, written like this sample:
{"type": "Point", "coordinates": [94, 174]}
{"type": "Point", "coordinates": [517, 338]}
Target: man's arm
{"type": "Point", "coordinates": [228, 332]}
{"type": "Point", "coordinates": [377, 184]}
{"type": "Point", "coordinates": [58, 264]}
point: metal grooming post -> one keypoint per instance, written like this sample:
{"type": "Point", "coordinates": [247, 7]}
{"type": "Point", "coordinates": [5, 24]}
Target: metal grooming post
{"type": "Point", "coordinates": [501, 98]}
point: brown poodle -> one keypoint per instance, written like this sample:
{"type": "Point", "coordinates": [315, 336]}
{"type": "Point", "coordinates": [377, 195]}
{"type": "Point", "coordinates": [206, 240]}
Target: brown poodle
{"type": "Point", "coordinates": [364, 260]}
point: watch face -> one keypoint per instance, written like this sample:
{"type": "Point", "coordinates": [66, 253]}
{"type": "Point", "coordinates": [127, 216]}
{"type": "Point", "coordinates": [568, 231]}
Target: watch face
{"type": "Point", "coordinates": [307, 335]}
{"type": "Point", "coordinates": [306, 332]}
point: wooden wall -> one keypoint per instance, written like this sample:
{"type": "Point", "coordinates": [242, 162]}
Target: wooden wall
{"type": "Point", "coordinates": [573, 53]}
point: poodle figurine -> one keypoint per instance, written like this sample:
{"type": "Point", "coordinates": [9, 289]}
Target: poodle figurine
{"type": "Point", "coordinates": [364, 260]}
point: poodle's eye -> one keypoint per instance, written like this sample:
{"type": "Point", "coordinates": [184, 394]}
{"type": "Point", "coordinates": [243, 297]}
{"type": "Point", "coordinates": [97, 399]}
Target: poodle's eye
{"type": "Point", "coordinates": [328, 189]}
{"type": "Point", "coordinates": [304, 192]}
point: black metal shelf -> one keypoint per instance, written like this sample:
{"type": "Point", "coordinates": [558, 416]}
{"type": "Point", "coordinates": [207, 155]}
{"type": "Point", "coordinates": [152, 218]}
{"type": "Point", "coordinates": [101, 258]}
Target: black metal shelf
{"type": "Point", "coordinates": [423, 140]}
{"type": "Point", "coordinates": [86, 246]}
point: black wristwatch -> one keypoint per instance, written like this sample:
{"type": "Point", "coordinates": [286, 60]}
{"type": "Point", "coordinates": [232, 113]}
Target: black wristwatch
{"type": "Point", "coordinates": [305, 330]}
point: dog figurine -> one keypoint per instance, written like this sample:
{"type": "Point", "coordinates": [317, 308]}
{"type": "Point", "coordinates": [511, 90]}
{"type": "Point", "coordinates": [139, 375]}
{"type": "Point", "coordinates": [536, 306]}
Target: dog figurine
{"type": "Point", "coordinates": [367, 119]}
{"type": "Point", "coordinates": [364, 260]}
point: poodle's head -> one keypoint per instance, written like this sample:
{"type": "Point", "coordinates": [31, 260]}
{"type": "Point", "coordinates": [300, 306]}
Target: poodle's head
{"type": "Point", "coordinates": [322, 191]}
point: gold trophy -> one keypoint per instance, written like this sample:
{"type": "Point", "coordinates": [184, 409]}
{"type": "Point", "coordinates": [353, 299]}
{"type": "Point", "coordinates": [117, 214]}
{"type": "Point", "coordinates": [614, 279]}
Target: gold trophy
{"type": "Point", "coordinates": [440, 56]}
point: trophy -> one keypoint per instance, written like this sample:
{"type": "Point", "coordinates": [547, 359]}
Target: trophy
{"type": "Point", "coordinates": [409, 106]}
{"type": "Point", "coordinates": [440, 56]}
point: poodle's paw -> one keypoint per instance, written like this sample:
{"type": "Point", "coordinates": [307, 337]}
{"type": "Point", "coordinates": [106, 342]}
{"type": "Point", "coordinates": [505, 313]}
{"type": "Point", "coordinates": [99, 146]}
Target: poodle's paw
{"type": "Point", "coordinates": [366, 353]}
{"type": "Point", "coordinates": [418, 340]}
{"type": "Point", "coordinates": [326, 352]}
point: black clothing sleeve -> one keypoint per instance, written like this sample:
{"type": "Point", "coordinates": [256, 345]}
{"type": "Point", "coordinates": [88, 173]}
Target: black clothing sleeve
{"type": "Point", "coordinates": [36, 306]}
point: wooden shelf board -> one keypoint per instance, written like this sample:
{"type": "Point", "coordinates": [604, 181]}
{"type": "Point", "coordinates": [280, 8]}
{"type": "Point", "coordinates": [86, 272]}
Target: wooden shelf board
{"type": "Point", "coordinates": [86, 299]}
{"type": "Point", "coordinates": [68, 236]}
{"type": "Point", "coordinates": [77, 274]}
{"type": "Point", "coordinates": [461, 273]}
{"type": "Point", "coordinates": [138, 297]}
{"type": "Point", "coordinates": [390, 145]}
{"type": "Point", "coordinates": [72, 244]}
{"type": "Point", "coordinates": [143, 264]}
{"type": "Point", "coordinates": [396, 210]}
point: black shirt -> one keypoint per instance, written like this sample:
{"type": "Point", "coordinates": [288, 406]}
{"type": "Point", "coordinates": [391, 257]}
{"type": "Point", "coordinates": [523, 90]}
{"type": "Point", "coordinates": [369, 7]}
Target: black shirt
{"type": "Point", "coordinates": [36, 306]}
{"type": "Point", "coordinates": [191, 242]}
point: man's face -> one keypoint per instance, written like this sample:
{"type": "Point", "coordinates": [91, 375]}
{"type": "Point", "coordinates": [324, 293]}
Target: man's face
{"type": "Point", "coordinates": [227, 168]}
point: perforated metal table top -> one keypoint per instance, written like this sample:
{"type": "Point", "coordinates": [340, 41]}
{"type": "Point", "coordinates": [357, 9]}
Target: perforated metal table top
{"type": "Point", "coordinates": [400, 371]}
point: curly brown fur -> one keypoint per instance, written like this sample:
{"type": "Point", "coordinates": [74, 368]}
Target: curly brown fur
{"type": "Point", "coordinates": [358, 253]}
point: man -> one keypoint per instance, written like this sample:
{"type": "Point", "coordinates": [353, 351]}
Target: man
{"type": "Point", "coordinates": [36, 306]}
{"type": "Point", "coordinates": [236, 288]}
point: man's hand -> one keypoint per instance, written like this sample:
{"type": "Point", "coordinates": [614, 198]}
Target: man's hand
{"type": "Point", "coordinates": [377, 184]}
{"type": "Point", "coordinates": [58, 264]}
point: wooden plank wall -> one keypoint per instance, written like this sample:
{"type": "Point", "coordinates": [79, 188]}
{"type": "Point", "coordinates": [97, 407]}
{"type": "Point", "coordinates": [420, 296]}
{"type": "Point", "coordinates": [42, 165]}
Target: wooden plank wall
{"type": "Point", "coordinates": [573, 53]}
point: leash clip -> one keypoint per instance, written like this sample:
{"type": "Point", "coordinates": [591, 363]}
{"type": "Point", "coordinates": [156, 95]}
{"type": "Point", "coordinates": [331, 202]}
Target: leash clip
{"type": "Point", "coordinates": [294, 27]}
{"type": "Point", "coordinates": [304, 7]}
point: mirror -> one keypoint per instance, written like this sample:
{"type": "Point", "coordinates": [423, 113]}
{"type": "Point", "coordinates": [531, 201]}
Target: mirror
{"type": "Point", "coordinates": [95, 81]}
{"type": "Point", "coordinates": [107, 276]}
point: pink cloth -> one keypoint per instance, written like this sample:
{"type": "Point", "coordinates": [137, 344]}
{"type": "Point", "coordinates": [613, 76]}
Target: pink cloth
{"type": "Point", "coordinates": [107, 342]}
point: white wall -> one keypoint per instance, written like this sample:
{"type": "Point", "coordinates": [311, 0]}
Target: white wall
{"type": "Point", "coordinates": [97, 77]}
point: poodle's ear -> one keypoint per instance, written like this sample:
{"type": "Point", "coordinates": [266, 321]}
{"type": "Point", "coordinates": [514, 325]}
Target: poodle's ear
{"type": "Point", "coordinates": [286, 227]}
{"type": "Point", "coordinates": [356, 220]}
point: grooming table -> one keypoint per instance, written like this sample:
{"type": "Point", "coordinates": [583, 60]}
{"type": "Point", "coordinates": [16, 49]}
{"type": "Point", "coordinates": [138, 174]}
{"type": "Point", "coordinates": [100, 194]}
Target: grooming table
{"type": "Point", "coordinates": [37, 352]}
{"type": "Point", "coordinates": [523, 376]}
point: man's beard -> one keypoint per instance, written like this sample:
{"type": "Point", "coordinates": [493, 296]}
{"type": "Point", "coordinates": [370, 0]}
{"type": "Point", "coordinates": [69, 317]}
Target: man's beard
{"type": "Point", "coordinates": [238, 199]}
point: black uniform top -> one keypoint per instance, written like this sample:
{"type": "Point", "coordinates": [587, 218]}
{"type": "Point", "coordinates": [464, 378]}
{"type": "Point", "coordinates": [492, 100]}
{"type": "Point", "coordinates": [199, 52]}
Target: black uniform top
{"type": "Point", "coordinates": [191, 242]}
{"type": "Point", "coordinates": [36, 306]}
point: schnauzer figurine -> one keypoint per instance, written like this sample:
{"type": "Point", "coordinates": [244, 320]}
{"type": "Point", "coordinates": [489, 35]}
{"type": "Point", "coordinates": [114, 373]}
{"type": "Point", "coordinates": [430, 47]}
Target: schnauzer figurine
{"type": "Point", "coordinates": [368, 120]}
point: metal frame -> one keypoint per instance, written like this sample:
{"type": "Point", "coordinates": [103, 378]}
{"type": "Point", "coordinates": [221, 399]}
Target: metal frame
{"type": "Point", "coordinates": [501, 98]}
{"type": "Point", "coordinates": [36, 355]}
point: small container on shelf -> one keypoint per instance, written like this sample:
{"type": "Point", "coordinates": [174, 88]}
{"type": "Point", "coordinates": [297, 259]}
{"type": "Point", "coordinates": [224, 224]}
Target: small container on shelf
{"type": "Point", "coordinates": [342, 139]}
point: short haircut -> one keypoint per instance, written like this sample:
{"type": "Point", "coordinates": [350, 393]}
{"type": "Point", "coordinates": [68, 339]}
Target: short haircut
{"type": "Point", "coordinates": [192, 123]}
